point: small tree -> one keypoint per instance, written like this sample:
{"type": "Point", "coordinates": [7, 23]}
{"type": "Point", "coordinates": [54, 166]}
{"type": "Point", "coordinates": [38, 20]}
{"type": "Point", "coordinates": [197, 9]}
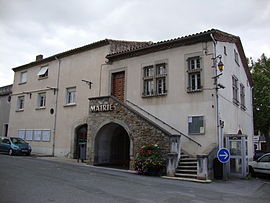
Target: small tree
{"type": "Point", "coordinates": [260, 71]}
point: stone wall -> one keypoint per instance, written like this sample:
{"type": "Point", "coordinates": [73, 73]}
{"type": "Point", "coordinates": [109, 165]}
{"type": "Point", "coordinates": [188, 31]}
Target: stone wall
{"type": "Point", "coordinates": [141, 131]}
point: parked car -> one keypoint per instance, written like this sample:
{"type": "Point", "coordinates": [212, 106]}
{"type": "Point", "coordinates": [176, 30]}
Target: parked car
{"type": "Point", "coordinates": [14, 145]}
{"type": "Point", "coordinates": [258, 154]}
{"type": "Point", "coordinates": [261, 166]}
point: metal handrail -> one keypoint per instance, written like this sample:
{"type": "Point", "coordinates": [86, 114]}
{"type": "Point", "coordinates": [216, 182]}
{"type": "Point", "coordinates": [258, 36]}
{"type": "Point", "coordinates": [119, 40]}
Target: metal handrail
{"type": "Point", "coordinates": [164, 123]}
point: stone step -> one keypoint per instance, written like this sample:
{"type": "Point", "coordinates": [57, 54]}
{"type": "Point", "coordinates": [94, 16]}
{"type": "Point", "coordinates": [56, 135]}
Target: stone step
{"type": "Point", "coordinates": [188, 159]}
{"type": "Point", "coordinates": [187, 167]}
{"type": "Point", "coordinates": [184, 156]}
{"type": "Point", "coordinates": [190, 163]}
{"type": "Point", "coordinates": [186, 171]}
{"type": "Point", "coordinates": [185, 175]}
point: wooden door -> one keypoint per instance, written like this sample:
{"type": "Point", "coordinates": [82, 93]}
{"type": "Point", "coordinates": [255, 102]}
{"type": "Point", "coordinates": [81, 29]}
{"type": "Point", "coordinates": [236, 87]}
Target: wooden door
{"type": "Point", "coordinates": [118, 85]}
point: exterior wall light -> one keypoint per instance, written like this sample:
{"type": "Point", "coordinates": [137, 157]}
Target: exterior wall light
{"type": "Point", "coordinates": [220, 65]}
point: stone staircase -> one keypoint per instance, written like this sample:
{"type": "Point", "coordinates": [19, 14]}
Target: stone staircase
{"type": "Point", "coordinates": [187, 167]}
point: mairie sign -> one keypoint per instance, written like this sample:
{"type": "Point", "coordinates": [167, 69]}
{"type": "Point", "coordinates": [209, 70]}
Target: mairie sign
{"type": "Point", "coordinates": [102, 107]}
{"type": "Point", "coordinates": [223, 155]}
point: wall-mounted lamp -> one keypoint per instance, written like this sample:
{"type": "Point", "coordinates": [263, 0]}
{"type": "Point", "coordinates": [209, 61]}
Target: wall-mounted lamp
{"type": "Point", "coordinates": [220, 64]}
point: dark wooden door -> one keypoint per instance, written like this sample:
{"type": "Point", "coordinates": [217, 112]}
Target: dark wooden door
{"type": "Point", "coordinates": [118, 85]}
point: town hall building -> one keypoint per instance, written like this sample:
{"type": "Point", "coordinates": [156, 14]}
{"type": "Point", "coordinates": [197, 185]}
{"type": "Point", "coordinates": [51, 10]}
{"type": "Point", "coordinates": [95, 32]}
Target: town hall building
{"type": "Point", "coordinates": [190, 95]}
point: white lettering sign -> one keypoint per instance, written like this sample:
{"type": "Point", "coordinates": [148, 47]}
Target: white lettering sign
{"type": "Point", "coordinates": [102, 108]}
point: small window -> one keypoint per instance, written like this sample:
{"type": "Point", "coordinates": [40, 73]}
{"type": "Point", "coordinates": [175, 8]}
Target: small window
{"type": "Point", "coordinates": [148, 87]}
{"type": "Point", "coordinates": [23, 77]}
{"type": "Point", "coordinates": [236, 57]}
{"type": "Point", "coordinates": [20, 103]}
{"type": "Point", "coordinates": [149, 71]}
{"type": "Point", "coordinates": [225, 50]}
{"type": "Point", "coordinates": [43, 72]}
{"type": "Point", "coordinates": [235, 90]}
{"type": "Point", "coordinates": [41, 100]}
{"type": "Point", "coordinates": [71, 95]}
{"type": "Point", "coordinates": [242, 97]}
{"type": "Point", "coordinates": [21, 134]}
{"type": "Point", "coordinates": [194, 74]}
{"type": "Point", "coordinates": [154, 80]}
{"type": "Point", "coordinates": [196, 125]}
{"type": "Point", "coordinates": [161, 69]}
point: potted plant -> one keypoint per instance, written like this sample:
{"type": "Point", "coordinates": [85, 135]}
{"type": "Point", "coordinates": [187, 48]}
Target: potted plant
{"type": "Point", "coordinates": [149, 160]}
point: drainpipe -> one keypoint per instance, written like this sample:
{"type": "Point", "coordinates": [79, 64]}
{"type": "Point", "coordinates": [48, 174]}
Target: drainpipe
{"type": "Point", "coordinates": [220, 145]}
{"type": "Point", "coordinates": [56, 104]}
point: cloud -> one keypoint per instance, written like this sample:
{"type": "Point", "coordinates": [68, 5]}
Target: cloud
{"type": "Point", "coordinates": [32, 27]}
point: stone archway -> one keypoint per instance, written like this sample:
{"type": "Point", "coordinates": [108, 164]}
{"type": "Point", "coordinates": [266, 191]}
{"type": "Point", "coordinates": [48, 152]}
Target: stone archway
{"type": "Point", "coordinates": [112, 146]}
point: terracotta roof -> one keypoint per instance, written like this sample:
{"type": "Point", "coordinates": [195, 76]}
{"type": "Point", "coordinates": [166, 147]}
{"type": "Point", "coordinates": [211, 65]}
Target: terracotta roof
{"type": "Point", "coordinates": [183, 41]}
{"type": "Point", "coordinates": [116, 46]}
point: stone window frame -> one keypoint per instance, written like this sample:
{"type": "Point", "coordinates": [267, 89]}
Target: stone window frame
{"type": "Point", "coordinates": [23, 77]}
{"type": "Point", "coordinates": [70, 93]}
{"type": "Point", "coordinates": [151, 74]}
{"type": "Point", "coordinates": [190, 72]}
{"type": "Point", "coordinates": [46, 73]}
{"type": "Point", "coordinates": [236, 57]}
{"type": "Point", "coordinates": [41, 100]}
{"type": "Point", "coordinates": [242, 97]}
{"type": "Point", "coordinates": [235, 90]}
{"type": "Point", "coordinates": [20, 103]}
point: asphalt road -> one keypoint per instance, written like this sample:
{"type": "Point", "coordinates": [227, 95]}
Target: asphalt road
{"type": "Point", "coordinates": [30, 179]}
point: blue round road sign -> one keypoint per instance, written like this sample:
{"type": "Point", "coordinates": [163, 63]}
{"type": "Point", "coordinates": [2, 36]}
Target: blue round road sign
{"type": "Point", "coordinates": [223, 155]}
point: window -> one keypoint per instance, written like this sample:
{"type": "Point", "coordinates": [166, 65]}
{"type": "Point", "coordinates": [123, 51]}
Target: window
{"type": "Point", "coordinates": [236, 57]}
{"type": "Point", "coordinates": [235, 90]}
{"type": "Point", "coordinates": [242, 97]}
{"type": "Point", "coordinates": [20, 103]}
{"type": "Point", "coordinates": [196, 125]}
{"type": "Point", "coordinates": [225, 50]}
{"type": "Point", "coordinates": [154, 80]}
{"type": "Point", "coordinates": [41, 100]}
{"type": "Point", "coordinates": [194, 74]}
{"type": "Point", "coordinates": [43, 72]}
{"type": "Point", "coordinates": [23, 77]}
{"type": "Point", "coordinates": [37, 135]}
{"type": "Point", "coordinates": [29, 135]}
{"type": "Point", "coordinates": [46, 135]}
{"type": "Point", "coordinates": [70, 95]}
{"type": "Point", "coordinates": [21, 134]}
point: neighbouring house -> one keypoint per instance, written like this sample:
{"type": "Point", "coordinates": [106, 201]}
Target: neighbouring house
{"type": "Point", "coordinates": [116, 96]}
{"type": "Point", "coordinates": [5, 98]}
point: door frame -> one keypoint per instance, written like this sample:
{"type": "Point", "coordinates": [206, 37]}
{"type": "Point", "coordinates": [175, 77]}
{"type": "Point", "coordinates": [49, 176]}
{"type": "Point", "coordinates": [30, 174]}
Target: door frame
{"type": "Point", "coordinates": [111, 72]}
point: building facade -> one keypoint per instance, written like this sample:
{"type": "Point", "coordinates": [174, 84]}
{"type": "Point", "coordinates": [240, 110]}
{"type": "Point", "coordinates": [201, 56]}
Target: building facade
{"type": "Point", "coordinates": [170, 93]}
{"type": "Point", "coordinates": [5, 99]}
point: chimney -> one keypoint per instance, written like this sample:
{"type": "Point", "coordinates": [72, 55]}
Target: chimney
{"type": "Point", "coordinates": [39, 57]}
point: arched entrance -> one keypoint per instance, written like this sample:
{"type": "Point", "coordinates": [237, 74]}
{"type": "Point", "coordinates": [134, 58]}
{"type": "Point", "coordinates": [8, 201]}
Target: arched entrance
{"type": "Point", "coordinates": [80, 137]}
{"type": "Point", "coordinates": [112, 147]}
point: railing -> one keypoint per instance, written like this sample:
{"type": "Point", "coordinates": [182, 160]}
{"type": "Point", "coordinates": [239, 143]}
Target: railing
{"type": "Point", "coordinates": [164, 123]}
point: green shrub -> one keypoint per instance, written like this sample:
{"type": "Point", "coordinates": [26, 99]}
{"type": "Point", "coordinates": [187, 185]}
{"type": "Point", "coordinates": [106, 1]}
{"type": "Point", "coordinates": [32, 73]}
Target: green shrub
{"type": "Point", "coordinates": [149, 160]}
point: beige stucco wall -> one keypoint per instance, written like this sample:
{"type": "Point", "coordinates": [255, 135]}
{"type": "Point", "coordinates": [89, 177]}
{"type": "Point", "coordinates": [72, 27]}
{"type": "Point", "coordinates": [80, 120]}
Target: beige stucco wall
{"type": "Point", "coordinates": [234, 117]}
{"type": "Point", "coordinates": [73, 69]}
{"type": "Point", "coordinates": [177, 105]}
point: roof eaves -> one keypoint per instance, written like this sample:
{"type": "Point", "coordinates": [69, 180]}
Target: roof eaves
{"type": "Point", "coordinates": [64, 54]}
{"type": "Point", "coordinates": [162, 45]}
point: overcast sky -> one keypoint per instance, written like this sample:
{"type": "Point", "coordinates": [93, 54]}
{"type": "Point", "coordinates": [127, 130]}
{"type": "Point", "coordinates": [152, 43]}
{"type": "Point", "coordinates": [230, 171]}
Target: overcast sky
{"type": "Point", "coordinates": [48, 27]}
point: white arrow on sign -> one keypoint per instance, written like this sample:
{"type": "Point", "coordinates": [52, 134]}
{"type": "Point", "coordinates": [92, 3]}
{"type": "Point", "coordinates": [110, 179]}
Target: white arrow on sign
{"type": "Point", "coordinates": [225, 155]}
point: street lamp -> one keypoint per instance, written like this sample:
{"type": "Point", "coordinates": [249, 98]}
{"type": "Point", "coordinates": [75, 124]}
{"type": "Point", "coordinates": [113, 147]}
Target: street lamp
{"type": "Point", "coordinates": [218, 65]}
